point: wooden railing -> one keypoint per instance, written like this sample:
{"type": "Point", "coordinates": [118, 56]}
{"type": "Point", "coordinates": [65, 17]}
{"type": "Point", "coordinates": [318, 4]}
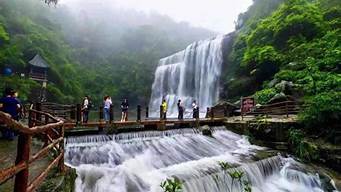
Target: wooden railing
{"type": "Point", "coordinates": [42, 126]}
{"type": "Point", "coordinates": [280, 108]}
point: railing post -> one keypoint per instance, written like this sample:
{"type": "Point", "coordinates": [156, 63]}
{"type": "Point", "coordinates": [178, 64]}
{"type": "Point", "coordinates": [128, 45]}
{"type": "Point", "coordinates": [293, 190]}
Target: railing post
{"type": "Point", "coordinates": [101, 113]}
{"type": "Point", "coordinates": [79, 113]}
{"type": "Point", "coordinates": [100, 127]}
{"type": "Point", "coordinates": [23, 155]}
{"type": "Point", "coordinates": [38, 108]}
{"type": "Point", "coordinates": [46, 119]}
{"type": "Point", "coordinates": [161, 111]}
{"type": "Point", "coordinates": [111, 114]}
{"type": "Point", "coordinates": [138, 113]}
{"type": "Point", "coordinates": [72, 112]}
{"type": "Point", "coordinates": [61, 166]}
{"type": "Point", "coordinates": [286, 109]}
{"type": "Point", "coordinates": [30, 120]}
{"type": "Point", "coordinates": [212, 113]}
{"type": "Point", "coordinates": [225, 111]}
{"type": "Point", "coordinates": [147, 112]}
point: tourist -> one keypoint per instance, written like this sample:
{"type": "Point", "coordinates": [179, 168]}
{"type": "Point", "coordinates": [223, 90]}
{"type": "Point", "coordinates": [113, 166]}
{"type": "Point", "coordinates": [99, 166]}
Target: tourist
{"type": "Point", "coordinates": [85, 109]}
{"type": "Point", "coordinates": [107, 105]}
{"type": "Point", "coordinates": [180, 110]}
{"type": "Point", "coordinates": [195, 109]}
{"type": "Point", "coordinates": [164, 109]}
{"type": "Point", "coordinates": [9, 104]}
{"type": "Point", "coordinates": [124, 108]}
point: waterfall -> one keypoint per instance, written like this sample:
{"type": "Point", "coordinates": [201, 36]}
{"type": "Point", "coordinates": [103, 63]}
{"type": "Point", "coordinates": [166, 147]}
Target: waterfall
{"type": "Point", "coordinates": [191, 74]}
{"type": "Point", "coordinates": [139, 162]}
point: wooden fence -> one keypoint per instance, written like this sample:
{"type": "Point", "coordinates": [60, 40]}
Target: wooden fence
{"type": "Point", "coordinates": [42, 126]}
{"type": "Point", "coordinates": [280, 108]}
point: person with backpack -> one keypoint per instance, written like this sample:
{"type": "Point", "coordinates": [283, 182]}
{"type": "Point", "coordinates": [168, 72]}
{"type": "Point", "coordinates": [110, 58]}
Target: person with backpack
{"type": "Point", "coordinates": [9, 104]}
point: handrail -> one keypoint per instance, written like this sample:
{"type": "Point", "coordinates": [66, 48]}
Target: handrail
{"type": "Point", "coordinates": [6, 118]}
{"type": "Point", "coordinates": [54, 139]}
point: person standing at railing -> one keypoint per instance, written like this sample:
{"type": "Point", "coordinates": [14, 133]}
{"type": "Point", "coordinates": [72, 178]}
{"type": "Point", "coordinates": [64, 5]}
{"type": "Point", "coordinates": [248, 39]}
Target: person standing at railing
{"type": "Point", "coordinates": [107, 105]}
{"type": "Point", "coordinates": [85, 109]}
{"type": "Point", "coordinates": [9, 104]}
{"type": "Point", "coordinates": [180, 110]}
{"type": "Point", "coordinates": [195, 109]}
{"type": "Point", "coordinates": [164, 109]}
{"type": "Point", "coordinates": [124, 108]}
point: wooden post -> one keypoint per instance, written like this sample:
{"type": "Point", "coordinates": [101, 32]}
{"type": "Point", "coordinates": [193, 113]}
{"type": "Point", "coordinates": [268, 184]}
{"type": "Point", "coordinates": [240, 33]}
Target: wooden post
{"type": "Point", "coordinates": [72, 112]}
{"type": "Point", "coordinates": [38, 108]}
{"type": "Point", "coordinates": [101, 117]}
{"type": "Point", "coordinates": [30, 118]}
{"type": "Point", "coordinates": [286, 109]}
{"type": "Point", "coordinates": [46, 119]}
{"type": "Point", "coordinates": [161, 112]}
{"type": "Point", "coordinates": [79, 113]}
{"type": "Point", "coordinates": [225, 111]}
{"type": "Point", "coordinates": [138, 118]}
{"type": "Point", "coordinates": [111, 118]}
{"type": "Point", "coordinates": [61, 166]}
{"type": "Point", "coordinates": [23, 155]}
{"type": "Point", "coordinates": [212, 113]}
{"type": "Point", "coordinates": [147, 112]}
{"type": "Point", "coordinates": [100, 127]}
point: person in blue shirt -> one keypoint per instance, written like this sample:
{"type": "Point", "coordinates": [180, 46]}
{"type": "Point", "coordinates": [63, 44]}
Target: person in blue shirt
{"type": "Point", "coordinates": [9, 104]}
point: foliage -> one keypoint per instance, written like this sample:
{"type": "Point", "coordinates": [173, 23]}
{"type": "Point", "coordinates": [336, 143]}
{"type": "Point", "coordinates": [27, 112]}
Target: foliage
{"type": "Point", "coordinates": [172, 185]}
{"type": "Point", "coordinates": [322, 109]}
{"type": "Point", "coordinates": [235, 175]}
{"type": "Point", "coordinates": [103, 58]}
{"type": "Point", "coordinates": [264, 95]}
{"type": "Point", "coordinates": [303, 149]}
{"type": "Point", "coordinates": [298, 42]}
{"type": "Point", "coordinates": [23, 86]}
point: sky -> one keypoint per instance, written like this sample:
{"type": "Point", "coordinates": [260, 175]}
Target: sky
{"type": "Point", "coordinates": [216, 15]}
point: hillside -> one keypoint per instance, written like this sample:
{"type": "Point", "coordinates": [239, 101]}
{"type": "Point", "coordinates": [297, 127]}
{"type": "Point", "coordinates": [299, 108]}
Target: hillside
{"type": "Point", "coordinates": [293, 48]}
{"type": "Point", "coordinates": [88, 55]}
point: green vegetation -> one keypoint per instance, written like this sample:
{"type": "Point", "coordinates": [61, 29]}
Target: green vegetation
{"type": "Point", "coordinates": [104, 58]}
{"type": "Point", "coordinates": [302, 149]}
{"type": "Point", "coordinates": [175, 185]}
{"type": "Point", "coordinates": [294, 42]}
{"type": "Point", "coordinates": [172, 185]}
{"type": "Point", "coordinates": [235, 175]}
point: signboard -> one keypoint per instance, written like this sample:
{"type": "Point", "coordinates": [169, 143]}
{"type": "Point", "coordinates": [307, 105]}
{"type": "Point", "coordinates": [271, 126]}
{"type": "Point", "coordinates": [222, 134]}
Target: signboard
{"type": "Point", "coordinates": [247, 104]}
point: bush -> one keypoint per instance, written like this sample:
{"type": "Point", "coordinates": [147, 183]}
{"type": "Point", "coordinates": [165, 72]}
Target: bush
{"type": "Point", "coordinates": [263, 96]}
{"type": "Point", "coordinates": [323, 110]}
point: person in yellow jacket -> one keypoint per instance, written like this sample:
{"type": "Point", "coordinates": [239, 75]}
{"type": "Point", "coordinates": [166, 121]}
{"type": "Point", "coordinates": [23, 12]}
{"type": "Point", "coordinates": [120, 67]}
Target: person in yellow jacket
{"type": "Point", "coordinates": [164, 109]}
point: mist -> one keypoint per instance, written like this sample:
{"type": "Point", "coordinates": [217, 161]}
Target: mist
{"type": "Point", "coordinates": [216, 15]}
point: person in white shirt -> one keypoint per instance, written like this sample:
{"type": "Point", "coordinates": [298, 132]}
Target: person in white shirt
{"type": "Point", "coordinates": [107, 105]}
{"type": "Point", "coordinates": [85, 109]}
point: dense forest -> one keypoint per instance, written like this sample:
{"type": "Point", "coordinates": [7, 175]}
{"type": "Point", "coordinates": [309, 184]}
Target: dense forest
{"type": "Point", "coordinates": [290, 48]}
{"type": "Point", "coordinates": [123, 46]}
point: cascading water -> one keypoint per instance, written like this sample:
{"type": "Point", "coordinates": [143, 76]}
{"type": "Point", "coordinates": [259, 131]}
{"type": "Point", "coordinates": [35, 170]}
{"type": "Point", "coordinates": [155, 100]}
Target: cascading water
{"type": "Point", "coordinates": [191, 74]}
{"type": "Point", "coordinates": [139, 162]}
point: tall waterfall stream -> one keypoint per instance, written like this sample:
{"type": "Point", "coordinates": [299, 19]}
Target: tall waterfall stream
{"type": "Point", "coordinates": [191, 74]}
{"type": "Point", "coordinates": [139, 162]}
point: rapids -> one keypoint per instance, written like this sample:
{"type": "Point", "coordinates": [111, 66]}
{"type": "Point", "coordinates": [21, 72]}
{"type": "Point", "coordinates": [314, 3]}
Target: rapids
{"type": "Point", "coordinates": [140, 161]}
